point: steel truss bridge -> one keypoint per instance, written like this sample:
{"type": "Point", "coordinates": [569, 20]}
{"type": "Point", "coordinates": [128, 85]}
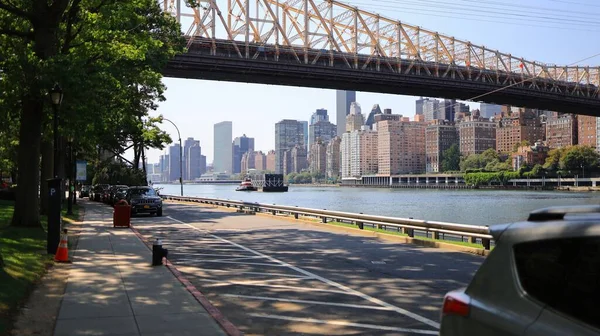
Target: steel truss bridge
{"type": "Point", "coordinates": [329, 44]}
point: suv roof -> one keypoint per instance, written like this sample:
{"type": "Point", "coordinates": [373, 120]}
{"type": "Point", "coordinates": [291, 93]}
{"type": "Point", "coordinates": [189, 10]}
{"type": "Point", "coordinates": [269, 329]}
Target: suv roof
{"type": "Point", "coordinates": [552, 222]}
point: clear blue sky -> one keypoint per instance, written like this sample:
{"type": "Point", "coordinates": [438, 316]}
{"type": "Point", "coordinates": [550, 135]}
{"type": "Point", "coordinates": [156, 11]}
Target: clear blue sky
{"type": "Point", "coordinates": [550, 31]}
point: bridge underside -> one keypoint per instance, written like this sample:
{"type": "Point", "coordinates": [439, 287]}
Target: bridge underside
{"type": "Point", "coordinates": [208, 66]}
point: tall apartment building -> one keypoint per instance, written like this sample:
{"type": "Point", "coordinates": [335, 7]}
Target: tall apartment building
{"type": "Point", "coordinates": [359, 153]}
{"type": "Point", "coordinates": [305, 132]}
{"type": "Point", "coordinates": [260, 161]}
{"type": "Point", "coordinates": [322, 129]}
{"type": "Point", "coordinates": [247, 162]}
{"type": "Point", "coordinates": [561, 130]}
{"type": "Point", "coordinates": [439, 136]}
{"type": "Point", "coordinates": [288, 134]}
{"type": "Point", "coordinates": [163, 163]}
{"type": "Point", "coordinates": [476, 135]}
{"type": "Point", "coordinates": [343, 99]}
{"type": "Point", "coordinates": [174, 163]}
{"type": "Point", "coordinates": [318, 116]}
{"type": "Point", "coordinates": [318, 157]}
{"type": "Point", "coordinates": [419, 105]}
{"type": "Point", "coordinates": [241, 145]}
{"type": "Point", "coordinates": [520, 125]}
{"type": "Point", "coordinates": [187, 143]}
{"type": "Point", "coordinates": [194, 162]}
{"type": "Point", "coordinates": [334, 157]}
{"type": "Point", "coordinates": [587, 133]}
{"type": "Point", "coordinates": [271, 161]}
{"type": "Point", "coordinates": [294, 160]}
{"type": "Point", "coordinates": [223, 150]}
{"type": "Point", "coordinates": [432, 110]}
{"type": "Point", "coordinates": [401, 147]}
{"type": "Point", "coordinates": [355, 120]}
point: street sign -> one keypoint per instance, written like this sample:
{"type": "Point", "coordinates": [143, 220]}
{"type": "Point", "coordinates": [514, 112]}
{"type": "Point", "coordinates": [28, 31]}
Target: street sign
{"type": "Point", "coordinates": [52, 191]}
{"type": "Point", "coordinates": [81, 170]}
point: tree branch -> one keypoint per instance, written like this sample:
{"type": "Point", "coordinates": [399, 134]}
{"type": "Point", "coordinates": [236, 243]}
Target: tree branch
{"type": "Point", "coordinates": [14, 10]}
{"type": "Point", "coordinates": [12, 32]}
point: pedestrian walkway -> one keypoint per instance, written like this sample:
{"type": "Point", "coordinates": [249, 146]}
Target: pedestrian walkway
{"type": "Point", "coordinates": [113, 290]}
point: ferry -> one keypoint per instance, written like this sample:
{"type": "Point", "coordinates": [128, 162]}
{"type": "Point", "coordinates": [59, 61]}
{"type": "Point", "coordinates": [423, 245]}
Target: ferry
{"type": "Point", "coordinates": [246, 185]}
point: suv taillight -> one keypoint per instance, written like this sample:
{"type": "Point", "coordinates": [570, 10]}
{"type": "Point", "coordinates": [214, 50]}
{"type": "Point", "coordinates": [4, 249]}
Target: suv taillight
{"type": "Point", "coordinates": [456, 304]}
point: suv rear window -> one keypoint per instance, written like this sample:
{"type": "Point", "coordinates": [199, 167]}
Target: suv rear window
{"type": "Point", "coordinates": [563, 274]}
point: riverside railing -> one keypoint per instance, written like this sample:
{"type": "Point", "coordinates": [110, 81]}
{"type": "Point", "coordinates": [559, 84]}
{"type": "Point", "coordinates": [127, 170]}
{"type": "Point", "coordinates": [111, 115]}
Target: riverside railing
{"type": "Point", "coordinates": [476, 234]}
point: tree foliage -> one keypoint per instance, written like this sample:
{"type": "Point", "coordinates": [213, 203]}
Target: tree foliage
{"type": "Point", "coordinates": [107, 56]}
{"type": "Point", "coordinates": [451, 159]}
{"type": "Point", "coordinates": [572, 160]}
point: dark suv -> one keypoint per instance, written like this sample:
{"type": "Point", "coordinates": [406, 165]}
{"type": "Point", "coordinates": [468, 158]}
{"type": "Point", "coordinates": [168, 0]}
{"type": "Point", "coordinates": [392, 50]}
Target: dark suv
{"type": "Point", "coordinates": [144, 200]}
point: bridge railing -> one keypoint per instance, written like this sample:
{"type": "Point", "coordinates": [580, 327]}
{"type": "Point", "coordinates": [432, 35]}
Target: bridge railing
{"type": "Point", "coordinates": [475, 234]}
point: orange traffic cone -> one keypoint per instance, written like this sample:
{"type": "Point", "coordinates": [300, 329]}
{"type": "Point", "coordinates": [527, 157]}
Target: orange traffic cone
{"type": "Point", "coordinates": [62, 253]}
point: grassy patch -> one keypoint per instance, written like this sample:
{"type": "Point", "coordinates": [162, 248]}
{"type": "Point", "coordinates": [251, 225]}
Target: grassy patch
{"type": "Point", "coordinates": [25, 258]}
{"type": "Point", "coordinates": [74, 216]}
{"type": "Point", "coordinates": [368, 228]}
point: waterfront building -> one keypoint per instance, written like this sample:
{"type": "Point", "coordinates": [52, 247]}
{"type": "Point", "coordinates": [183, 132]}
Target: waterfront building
{"type": "Point", "coordinates": [343, 100]}
{"type": "Point", "coordinates": [163, 163]}
{"type": "Point", "coordinates": [248, 162]}
{"type": "Point", "coordinates": [476, 135]}
{"type": "Point", "coordinates": [401, 147]}
{"type": "Point", "coordinates": [516, 126]}
{"type": "Point", "coordinates": [187, 144]}
{"type": "Point", "coordinates": [295, 160]}
{"type": "Point", "coordinates": [419, 105]}
{"type": "Point", "coordinates": [241, 145]}
{"type": "Point", "coordinates": [345, 153]}
{"type": "Point", "coordinates": [288, 134]}
{"type": "Point", "coordinates": [271, 161]}
{"type": "Point", "coordinates": [587, 133]}
{"type": "Point", "coordinates": [359, 153]}
{"type": "Point", "coordinates": [334, 157]}
{"type": "Point", "coordinates": [530, 155]}
{"type": "Point", "coordinates": [223, 149]}
{"type": "Point", "coordinates": [317, 116]}
{"type": "Point", "coordinates": [318, 157]}
{"type": "Point", "coordinates": [440, 135]}
{"type": "Point", "coordinates": [305, 132]}
{"type": "Point", "coordinates": [489, 110]}
{"type": "Point", "coordinates": [561, 130]}
{"type": "Point", "coordinates": [260, 161]}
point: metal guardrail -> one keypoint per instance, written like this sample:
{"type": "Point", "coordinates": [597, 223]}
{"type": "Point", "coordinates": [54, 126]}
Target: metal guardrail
{"type": "Point", "coordinates": [437, 230]}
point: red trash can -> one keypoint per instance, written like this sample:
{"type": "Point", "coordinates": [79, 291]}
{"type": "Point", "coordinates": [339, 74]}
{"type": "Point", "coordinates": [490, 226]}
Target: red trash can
{"type": "Point", "coordinates": [122, 214]}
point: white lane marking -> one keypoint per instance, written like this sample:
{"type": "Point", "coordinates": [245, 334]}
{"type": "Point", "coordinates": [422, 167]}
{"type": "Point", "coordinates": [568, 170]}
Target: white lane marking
{"type": "Point", "coordinates": [309, 302]}
{"type": "Point", "coordinates": [295, 289]}
{"type": "Point", "coordinates": [227, 258]}
{"type": "Point", "coordinates": [346, 324]}
{"type": "Point", "coordinates": [265, 282]}
{"type": "Point", "coordinates": [230, 262]}
{"type": "Point", "coordinates": [253, 273]}
{"type": "Point", "coordinates": [349, 290]}
{"type": "Point", "coordinates": [213, 255]}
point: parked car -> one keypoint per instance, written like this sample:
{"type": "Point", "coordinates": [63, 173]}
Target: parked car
{"type": "Point", "coordinates": [541, 279]}
{"type": "Point", "coordinates": [120, 194]}
{"type": "Point", "coordinates": [144, 200]}
{"type": "Point", "coordinates": [85, 191]}
{"type": "Point", "coordinates": [112, 193]}
{"type": "Point", "coordinates": [98, 192]}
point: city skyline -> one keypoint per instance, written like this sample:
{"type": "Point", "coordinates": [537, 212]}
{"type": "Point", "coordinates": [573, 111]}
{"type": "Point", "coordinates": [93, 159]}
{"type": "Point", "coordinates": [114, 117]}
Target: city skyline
{"type": "Point", "coordinates": [255, 108]}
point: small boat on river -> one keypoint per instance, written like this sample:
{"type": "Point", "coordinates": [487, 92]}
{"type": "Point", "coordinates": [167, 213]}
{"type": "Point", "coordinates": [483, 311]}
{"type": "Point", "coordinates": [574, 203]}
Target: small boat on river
{"type": "Point", "coordinates": [246, 185]}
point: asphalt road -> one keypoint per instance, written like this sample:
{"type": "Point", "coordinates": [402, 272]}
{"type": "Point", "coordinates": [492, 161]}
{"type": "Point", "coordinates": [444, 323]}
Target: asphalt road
{"type": "Point", "coordinates": [273, 276]}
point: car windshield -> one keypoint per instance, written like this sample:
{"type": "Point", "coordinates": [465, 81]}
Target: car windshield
{"type": "Point", "coordinates": [142, 192]}
{"type": "Point", "coordinates": [121, 190]}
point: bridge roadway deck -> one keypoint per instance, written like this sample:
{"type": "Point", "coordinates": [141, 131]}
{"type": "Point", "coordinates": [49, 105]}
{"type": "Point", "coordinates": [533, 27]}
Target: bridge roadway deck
{"type": "Point", "coordinates": [272, 276]}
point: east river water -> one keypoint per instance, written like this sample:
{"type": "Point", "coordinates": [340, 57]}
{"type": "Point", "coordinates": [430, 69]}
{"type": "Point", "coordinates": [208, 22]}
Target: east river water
{"type": "Point", "coordinates": [481, 207]}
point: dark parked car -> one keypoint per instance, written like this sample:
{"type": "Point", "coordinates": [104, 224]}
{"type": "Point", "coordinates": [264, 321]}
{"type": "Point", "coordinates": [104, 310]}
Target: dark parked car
{"type": "Point", "coordinates": [112, 193]}
{"type": "Point", "coordinates": [85, 191]}
{"type": "Point", "coordinates": [120, 194]}
{"type": "Point", "coordinates": [144, 200]}
{"type": "Point", "coordinates": [98, 192]}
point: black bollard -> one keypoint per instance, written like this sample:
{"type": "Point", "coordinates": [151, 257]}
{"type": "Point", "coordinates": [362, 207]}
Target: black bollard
{"type": "Point", "coordinates": [158, 253]}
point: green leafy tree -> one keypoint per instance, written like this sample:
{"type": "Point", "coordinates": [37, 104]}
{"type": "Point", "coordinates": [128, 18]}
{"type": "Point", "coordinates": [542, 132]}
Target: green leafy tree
{"type": "Point", "coordinates": [577, 159]}
{"type": "Point", "coordinates": [106, 54]}
{"type": "Point", "coordinates": [451, 159]}
{"type": "Point", "coordinates": [552, 163]}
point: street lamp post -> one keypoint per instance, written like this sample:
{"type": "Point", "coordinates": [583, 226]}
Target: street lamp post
{"type": "Point", "coordinates": [180, 155]}
{"type": "Point", "coordinates": [71, 177]}
{"type": "Point", "coordinates": [55, 184]}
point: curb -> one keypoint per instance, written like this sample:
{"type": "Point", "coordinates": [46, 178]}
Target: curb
{"type": "Point", "coordinates": [229, 328]}
{"type": "Point", "coordinates": [367, 233]}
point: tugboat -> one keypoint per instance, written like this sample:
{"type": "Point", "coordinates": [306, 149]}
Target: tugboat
{"type": "Point", "coordinates": [246, 185]}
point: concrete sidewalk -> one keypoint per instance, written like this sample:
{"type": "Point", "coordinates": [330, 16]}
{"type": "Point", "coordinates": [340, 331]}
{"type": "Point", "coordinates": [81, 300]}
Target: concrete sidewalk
{"type": "Point", "coordinates": [113, 290]}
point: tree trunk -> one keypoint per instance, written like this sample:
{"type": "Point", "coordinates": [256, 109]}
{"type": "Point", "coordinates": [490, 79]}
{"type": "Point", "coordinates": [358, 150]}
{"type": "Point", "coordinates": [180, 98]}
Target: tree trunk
{"type": "Point", "coordinates": [26, 206]}
{"type": "Point", "coordinates": [13, 175]}
{"type": "Point", "coordinates": [46, 174]}
{"type": "Point", "coordinates": [144, 166]}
